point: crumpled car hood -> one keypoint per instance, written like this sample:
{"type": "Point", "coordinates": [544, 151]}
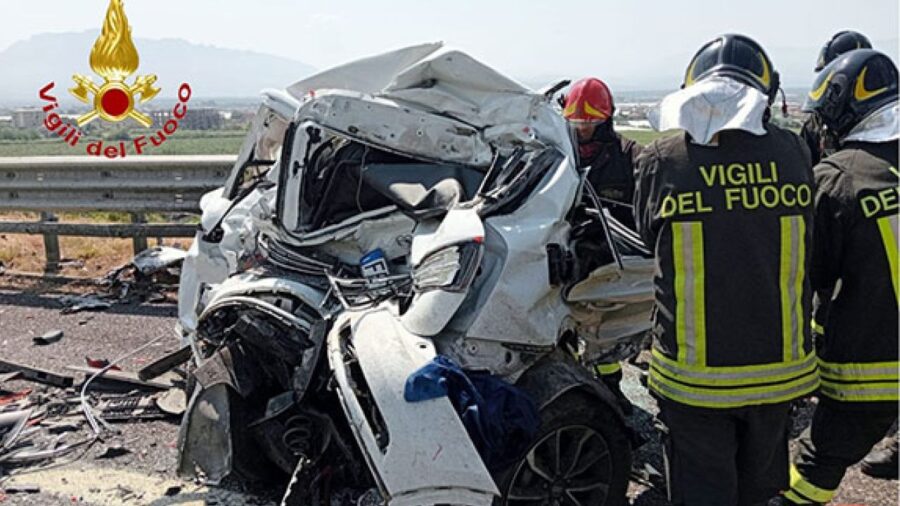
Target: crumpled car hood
{"type": "Point", "coordinates": [445, 81]}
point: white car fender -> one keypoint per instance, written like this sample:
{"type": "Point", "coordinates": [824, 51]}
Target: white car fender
{"type": "Point", "coordinates": [429, 457]}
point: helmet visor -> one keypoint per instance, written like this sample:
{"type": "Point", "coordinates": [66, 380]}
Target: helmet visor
{"type": "Point", "coordinates": [584, 130]}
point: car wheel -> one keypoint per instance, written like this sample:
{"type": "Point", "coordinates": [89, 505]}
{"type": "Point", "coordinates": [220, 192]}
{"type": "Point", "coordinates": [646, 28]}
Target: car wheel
{"type": "Point", "coordinates": [580, 457]}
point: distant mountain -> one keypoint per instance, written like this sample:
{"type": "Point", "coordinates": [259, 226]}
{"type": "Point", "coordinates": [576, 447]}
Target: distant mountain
{"type": "Point", "coordinates": [212, 72]}
{"type": "Point", "coordinates": [218, 73]}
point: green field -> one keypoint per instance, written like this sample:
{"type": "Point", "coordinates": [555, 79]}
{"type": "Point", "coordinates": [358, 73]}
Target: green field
{"type": "Point", "coordinates": [644, 137]}
{"type": "Point", "coordinates": [182, 143]}
{"type": "Point", "coordinates": [186, 143]}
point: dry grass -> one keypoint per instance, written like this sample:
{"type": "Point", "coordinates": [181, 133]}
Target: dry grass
{"type": "Point", "coordinates": [81, 256]}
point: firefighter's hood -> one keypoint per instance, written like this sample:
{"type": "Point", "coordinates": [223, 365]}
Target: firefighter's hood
{"type": "Point", "coordinates": [710, 106]}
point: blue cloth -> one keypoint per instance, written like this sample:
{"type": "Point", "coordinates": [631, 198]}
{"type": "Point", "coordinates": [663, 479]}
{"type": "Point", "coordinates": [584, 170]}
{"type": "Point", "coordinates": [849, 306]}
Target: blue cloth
{"type": "Point", "coordinates": [501, 419]}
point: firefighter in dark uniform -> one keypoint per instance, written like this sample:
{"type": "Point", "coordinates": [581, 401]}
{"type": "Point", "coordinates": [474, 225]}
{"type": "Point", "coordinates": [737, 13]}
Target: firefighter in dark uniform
{"type": "Point", "coordinates": [881, 463]}
{"type": "Point", "coordinates": [588, 107]}
{"type": "Point", "coordinates": [812, 131]}
{"type": "Point", "coordinates": [729, 215]}
{"type": "Point", "coordinates": [855, 256]}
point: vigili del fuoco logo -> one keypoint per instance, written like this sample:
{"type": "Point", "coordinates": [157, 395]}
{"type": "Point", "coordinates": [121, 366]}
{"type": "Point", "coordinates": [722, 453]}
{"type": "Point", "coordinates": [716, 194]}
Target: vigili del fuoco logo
{"type": "Point", "coordinates": [114, 58]}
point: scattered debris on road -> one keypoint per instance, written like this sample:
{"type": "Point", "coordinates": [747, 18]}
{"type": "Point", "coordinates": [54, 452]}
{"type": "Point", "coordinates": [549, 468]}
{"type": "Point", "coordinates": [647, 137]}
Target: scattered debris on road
{"type": "Point", "coordinates": [76, 303]}
{"type": "Point", "coordinates": [38, 427]}
{"type": "Point", "coordinates": [48, 338]}
{"type": "Point", "coordinates": [172, 491]}
{"type": "Point", "coordinates": [11, 425]}
{"type": "Point", "coordinates": [9, 376]}
{"type": "Point", "coordinates": [165, 364]}
{"type": "Point", "coordinates": [131, 407]}
{"type": "Point", "coordinates": [113, 451]}
{"type": "Point", "coordinates": [173, 402]}
{"type": "Point", "coordinates": [37, 375]}
{"type": "Point", "coordinates": [154, 260]}
{"type": "Point", "coordinates": [119, 380]}
{"type": "Point", "coordinates": [23, 489]}
{"type": "Point", "coordinates": [146, 278]}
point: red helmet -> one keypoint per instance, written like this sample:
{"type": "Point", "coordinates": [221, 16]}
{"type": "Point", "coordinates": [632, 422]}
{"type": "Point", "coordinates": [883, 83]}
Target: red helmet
{"type": "Point", "coordinates": [589, 99]}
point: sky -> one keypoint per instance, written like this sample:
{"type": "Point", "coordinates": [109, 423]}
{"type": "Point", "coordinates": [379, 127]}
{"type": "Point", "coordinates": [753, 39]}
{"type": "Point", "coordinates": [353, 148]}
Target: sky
{"type": "Point", "coordinates": [634, 40]}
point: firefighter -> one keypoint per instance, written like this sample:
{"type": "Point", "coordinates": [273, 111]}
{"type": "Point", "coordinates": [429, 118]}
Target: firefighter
{"type": "Point", "coordinates": [840, 43]}
{"type": "Point", "coordinates": [855, 258]}
{"type": "Point", "coordinates": [727, 206]}
{"type": "Point", "coordinates": [821, 142]}
{"type": "Point", "coordinates": [588, 108]}
{"type": "Point", "coordinates": [881, 463]}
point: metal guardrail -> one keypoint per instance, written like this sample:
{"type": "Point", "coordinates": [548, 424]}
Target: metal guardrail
{"type": "Point", "coordinates": [135, 185]}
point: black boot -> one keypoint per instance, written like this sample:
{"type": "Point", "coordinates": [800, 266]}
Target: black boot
{"type": "Point", "coordinates": [882, 463]}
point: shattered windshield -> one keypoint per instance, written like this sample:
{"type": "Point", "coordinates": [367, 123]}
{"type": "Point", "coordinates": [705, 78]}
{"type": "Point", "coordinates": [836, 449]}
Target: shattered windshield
{"type": "Point", "coordinates": [258, 152]}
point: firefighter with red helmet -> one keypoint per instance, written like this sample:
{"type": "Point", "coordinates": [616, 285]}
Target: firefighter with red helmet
{"type": "Point", "coordinates": [589, 108]}
{"type": "Point", "coordinates": [609, 159]}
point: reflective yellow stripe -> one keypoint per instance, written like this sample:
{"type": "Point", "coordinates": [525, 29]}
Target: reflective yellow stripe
{"type": "Point", "coordinates": [869, 371]}
{"type": "Point", "coordinates": [860, 382]}
{"type": "Point", "coordinates": [732, 397]}
{"type": "Point", "coordinates": [807, 489]}
{"type": "Point", "coordinates": [888, 228]}
{"type": "Point", "coordinates": [861, 392]}
{"type": "Point", "coordinates": [689, 281]}
{"type": "Point", "coordinates": [798, 287]}
{"type": "Point", "coordinates": [784, 275]}
{"type": "Point", "coordinates": [756, 374]}
{"type": "Point", "coordinates": [791, 274]}
{"type": "Point", "coordinates": [607, 369]}
{"type": "Point", "coordinates": [679, 281]}
{"type": "Point", "coordinates": [699, 292]}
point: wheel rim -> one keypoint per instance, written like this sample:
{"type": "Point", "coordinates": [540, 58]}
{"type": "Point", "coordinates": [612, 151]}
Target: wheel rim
{"type": "Point", "coordinates": [571, 466]}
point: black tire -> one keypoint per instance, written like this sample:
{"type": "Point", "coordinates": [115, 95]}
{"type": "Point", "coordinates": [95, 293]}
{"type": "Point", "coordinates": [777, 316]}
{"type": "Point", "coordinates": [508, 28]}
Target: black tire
{"type": "Point", "coordinates": [595, 475]}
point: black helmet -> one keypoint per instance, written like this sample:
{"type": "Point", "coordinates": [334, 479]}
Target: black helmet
{"type": "Point", "coordinates": [738, 57]}
{"type": "Point", "coordinates": [850, 87]}
{"type": "Point", "coordinates": [840, 43]}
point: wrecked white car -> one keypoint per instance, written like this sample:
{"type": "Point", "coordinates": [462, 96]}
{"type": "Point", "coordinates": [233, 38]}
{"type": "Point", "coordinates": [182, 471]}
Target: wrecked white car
{"type": "Point", "coordinates": [404, 268]}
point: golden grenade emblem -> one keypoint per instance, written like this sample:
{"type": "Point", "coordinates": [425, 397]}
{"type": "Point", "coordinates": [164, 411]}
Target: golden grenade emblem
{"type": "Point", "coordinates": [114, 58]}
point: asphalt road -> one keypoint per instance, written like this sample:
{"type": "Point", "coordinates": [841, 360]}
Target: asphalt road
{"type": "Point", "coordinates": [145, 475]}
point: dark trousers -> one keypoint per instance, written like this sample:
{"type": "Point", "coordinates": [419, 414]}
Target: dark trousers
{"type": "Point", "coordinates": [841, 434]}
{"type": "Point", "coordinates": [612, 380]}
{"type": "Point", "coordinates": [725, 457]}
